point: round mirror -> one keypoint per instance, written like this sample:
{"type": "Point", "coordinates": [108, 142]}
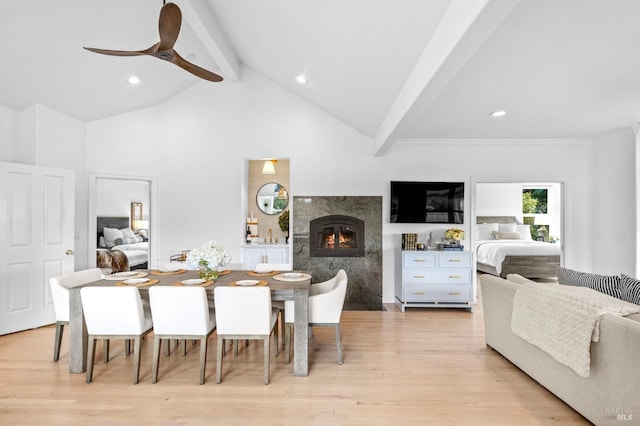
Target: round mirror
{"type": "Point", "coordinates": [272, 198]}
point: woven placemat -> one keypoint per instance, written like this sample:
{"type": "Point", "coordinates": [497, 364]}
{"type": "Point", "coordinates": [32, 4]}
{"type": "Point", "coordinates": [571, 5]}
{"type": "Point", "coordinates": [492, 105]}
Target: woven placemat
{"type": "Point", "coordinates": [260, 284]}
{"type": "Point", "coordinates": [158, 272]}
{"type": "Point", "coordinates": [262, 274]}
{"type": "Point", "coordinates": [284, 277]}
{"type": "Point", "coordinates": [151, 281]}
{"type": "Point", "coordinates": [225, 272]}
{"type": "Point", "coordinates": [204, 284]}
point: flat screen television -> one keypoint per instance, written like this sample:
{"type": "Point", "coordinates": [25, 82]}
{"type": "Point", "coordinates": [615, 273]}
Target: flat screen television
{"type": "Point", "coordinates": [427, 202]}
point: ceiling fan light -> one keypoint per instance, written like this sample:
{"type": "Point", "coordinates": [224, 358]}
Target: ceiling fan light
{"type": "Point", "coordinates": [301, 79]}
{"type": "Point", "coordinates": [498, 113]}
{"type": "Point", "coordinates": [134, 80]}
{"type": "Point", "coordinates": [268, 168]}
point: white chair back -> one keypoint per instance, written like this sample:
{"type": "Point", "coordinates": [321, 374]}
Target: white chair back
{"type": "Point", "coordinates": [243, 310]}
{"type": "Point", "coordinates": [113, 310]}
{"type": "Point", "coordinates": [180, 311]}
{"type": "Point", "coordinates": [327, 307]}
{"type": "Point", "coordinates": [326, 300]}
{"type": "Point", "coordinates": [274, 266]}
{"type": "Point", "coordinates": [61, 284]}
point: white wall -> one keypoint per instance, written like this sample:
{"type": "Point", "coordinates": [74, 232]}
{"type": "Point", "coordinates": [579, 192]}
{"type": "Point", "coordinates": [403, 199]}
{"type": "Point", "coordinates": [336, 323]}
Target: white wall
{"type": "Point", "coordinates": [8, 120]}
{"type": "Point", "coordinates": [613, 230]}
{"type": "Point", "coordinates": [197, 144]}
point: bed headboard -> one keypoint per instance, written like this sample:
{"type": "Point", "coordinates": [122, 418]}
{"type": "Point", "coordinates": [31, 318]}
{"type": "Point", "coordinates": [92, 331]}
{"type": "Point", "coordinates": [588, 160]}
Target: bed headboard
{"type": "Point", "coordinates": [497, 219]}
{"type": "Point", "coordinates": [110, 222]}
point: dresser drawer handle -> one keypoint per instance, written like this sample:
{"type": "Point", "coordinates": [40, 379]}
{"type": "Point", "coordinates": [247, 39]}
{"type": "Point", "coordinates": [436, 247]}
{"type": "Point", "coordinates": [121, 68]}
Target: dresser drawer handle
{"type": "Point", "coordinates": [454, 293]}
{"type": "Point", "coordinates": [418, 276]}
{"type": "Point", "coordinates": [454, 276]}
{"type": "Point", "coordinates": [419, 260]}
{"type": "Point", "coordinates": [420, 293]}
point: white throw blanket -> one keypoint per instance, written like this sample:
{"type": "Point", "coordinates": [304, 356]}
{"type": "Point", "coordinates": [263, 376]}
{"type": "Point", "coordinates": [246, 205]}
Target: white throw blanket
{"type": "Point", "coordinates": [564, 320]}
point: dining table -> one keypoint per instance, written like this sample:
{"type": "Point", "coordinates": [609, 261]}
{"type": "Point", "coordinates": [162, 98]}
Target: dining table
{"type": "Point", "coordinates": [284, 286]}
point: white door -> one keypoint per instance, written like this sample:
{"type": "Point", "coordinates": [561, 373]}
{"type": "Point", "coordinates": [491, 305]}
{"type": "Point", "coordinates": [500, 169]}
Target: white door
{"type": "Point", "coordinates": [36, 241]}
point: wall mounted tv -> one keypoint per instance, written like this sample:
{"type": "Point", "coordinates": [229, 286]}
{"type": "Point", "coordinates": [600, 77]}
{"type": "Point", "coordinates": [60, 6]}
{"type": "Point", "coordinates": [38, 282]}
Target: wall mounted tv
{"type": "Point", "coordinates": [427, 202]}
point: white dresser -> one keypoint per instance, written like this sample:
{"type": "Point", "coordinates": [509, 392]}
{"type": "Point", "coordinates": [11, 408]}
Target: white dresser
{"type": "Point", "coordinates": [264, 253]}
{"type": "Point", "coordinates": [435, 279]}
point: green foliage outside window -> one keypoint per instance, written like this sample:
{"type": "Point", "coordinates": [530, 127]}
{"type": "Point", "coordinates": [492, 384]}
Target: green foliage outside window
{"type": "Point", "coordinates": [534, 201]}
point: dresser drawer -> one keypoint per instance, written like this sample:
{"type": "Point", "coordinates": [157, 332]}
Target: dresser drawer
{"type": "Point", "coordinates": [438, 293]}
{"type": "Point", "coordinates": [437, 276]}
{"type": "Point", "coordinates": [419, 259]}
{"type": "Point", "coordinates": [455, 260]}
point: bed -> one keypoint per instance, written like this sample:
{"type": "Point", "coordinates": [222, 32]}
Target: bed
{"type": "Point", "coordinates": [119, 248]}
{"type": "Point", "coordinates": [504, 246]}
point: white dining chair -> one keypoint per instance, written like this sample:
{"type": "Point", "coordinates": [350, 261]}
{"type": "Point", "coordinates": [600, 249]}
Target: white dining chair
{"type": "Point", "coordinates": [114, 313]}
{"type": "Point", "coordinates": [60, 286]}
{"type": "Point", "coordinates": [326, 301]}
{"type": "Point", "coordinates": [180, 313]}
{"type": "Point", "coordinates": [244, 313]}
{"type": "Point", "coordinates": [281, 267]}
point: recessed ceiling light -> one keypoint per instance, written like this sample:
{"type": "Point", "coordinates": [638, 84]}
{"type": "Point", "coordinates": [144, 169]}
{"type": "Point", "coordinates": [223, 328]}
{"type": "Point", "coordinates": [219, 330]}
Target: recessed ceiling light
{"type": "Point", "coordinates": [499, 113]}
{"type": "Point", "coordinates": [301, 79]}
{"type": "Point", "coordinates": [134, 80]}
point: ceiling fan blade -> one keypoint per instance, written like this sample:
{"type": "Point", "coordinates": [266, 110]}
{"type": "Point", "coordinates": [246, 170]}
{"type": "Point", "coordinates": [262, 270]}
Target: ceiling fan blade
{"type": "Point", "coordinates": [169, 25]}
{"type": "Point", "coordinates": [193, 69]}
{"type": "Point", "coordinates": [118, 52]}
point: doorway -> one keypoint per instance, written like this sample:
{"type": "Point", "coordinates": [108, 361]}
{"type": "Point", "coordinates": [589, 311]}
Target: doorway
{"type": "Point", "coordinates": [114, 196]}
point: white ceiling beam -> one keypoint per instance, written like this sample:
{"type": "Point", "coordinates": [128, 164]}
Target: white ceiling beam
{"type": "Point", "coordinates": [463, 29]}
{"type": "Point", "coordinates": [207, 29]}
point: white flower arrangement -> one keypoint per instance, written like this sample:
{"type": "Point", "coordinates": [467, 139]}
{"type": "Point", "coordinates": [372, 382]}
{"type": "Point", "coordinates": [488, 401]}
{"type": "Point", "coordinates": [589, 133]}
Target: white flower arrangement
{"type": "Point", "coordinates": [210, 255]}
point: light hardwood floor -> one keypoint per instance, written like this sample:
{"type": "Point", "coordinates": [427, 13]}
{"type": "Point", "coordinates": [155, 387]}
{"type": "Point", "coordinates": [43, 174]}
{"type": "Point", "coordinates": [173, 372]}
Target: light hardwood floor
{"type": "Point", "coordinates": [423, 367]}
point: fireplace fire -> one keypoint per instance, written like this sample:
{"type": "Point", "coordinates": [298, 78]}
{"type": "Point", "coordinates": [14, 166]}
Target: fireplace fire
{"type": "Point", "coordinates": [336, 236]}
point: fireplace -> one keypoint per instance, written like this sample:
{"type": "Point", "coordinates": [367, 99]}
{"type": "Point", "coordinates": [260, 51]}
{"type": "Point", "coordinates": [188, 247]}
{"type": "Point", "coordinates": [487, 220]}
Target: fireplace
{"type": "Point", "coordinates": [336, 236]}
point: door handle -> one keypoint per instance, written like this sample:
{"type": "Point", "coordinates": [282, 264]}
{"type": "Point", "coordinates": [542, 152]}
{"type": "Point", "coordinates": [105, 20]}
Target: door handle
{"type": "Point", "coordinates": [69, 252]}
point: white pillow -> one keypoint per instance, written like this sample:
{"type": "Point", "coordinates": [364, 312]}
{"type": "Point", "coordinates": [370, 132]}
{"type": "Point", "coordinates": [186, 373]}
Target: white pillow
{"type": "Point", "coordinates": [507, 227]}
{"type": "Point", "coordinates": [524, 231]}
{"type": "Point", "coordinates": [101, 242]}
{"type": "Point", "coordinates": [508, 236]}
{"type": "Point", "coordinates": [128, 233]}
{"type": "Point", "coordinates": [111, 235]}
{"type": "Point", "coordinates": [484, 231]}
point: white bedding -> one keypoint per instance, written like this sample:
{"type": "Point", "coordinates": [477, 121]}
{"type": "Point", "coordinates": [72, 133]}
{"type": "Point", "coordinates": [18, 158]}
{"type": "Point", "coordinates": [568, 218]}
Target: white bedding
{"type": "Point", "coordinates": [137, 253]}
{"type": "Point", "coordinates": [493, 252]}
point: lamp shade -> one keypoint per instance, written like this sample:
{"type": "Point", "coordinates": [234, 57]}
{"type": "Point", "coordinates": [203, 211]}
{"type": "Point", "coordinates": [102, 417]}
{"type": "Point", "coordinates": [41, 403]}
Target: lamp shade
{"type": "Point", "coordinates": [268, 168]}
{"type": "Point", "coordinates": [141, 224]}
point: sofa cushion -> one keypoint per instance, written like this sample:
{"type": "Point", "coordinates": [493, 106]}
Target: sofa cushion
{"type": "Point", "coordinates": [630, 289]}
{"type": "Point", "coordinates": [607, 284]}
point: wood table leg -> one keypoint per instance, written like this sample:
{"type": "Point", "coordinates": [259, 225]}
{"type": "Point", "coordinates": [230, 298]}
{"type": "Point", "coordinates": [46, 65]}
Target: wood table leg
{"type": "Point", "coordinates": [301, 333]}
{"type": "Point", "coordinates": [77, 334]}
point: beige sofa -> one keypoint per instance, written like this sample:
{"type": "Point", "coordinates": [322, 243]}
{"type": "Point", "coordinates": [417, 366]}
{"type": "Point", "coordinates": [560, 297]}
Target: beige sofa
{"type": "Point", "coordinates": [611, 393]}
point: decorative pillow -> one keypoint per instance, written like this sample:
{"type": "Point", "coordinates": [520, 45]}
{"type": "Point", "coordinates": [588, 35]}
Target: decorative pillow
{"type": "Point", "coordinates": [629, 289]}
{"type": "Point", "coordinates": [607, 284]}
{"type": "Point", "coordinates": [110, 236]}
{"type": "Point", "coordinates": [128, 233]}
{"type": "Point", "coordinates": [525, 231]}
{"type": "Point", "coordinates": [508, 235]}
{"type": "Point", "coordinates": [507, 227]}
{"type": "Point", "coordinates": [102, 242]}
{"type": "Point", "coordinates": [484, 231]}
{"type": "Point", "coordinates": [127, 240]}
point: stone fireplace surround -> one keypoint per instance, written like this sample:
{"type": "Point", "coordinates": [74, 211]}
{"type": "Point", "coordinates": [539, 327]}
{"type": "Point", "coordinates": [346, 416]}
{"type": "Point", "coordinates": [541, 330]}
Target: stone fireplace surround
{"type": "Point", "coordinates": [364, 288]}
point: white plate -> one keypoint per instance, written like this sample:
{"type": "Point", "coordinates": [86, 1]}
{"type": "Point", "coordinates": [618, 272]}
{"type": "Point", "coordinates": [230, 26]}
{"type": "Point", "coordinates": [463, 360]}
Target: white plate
{"type": "Point", "coordinates": [124, 274]}
{"type": "Point", "coordinates": [136, 280]}
{"type": "Point", "coordinates": [193, 281]}
{"type": "Point", "coordinates": [292, 275]}
{"type": "Point", "coordinates": [247, 282]}
{"type": "Point", "coordinates": [170, 268]}
{"type": "Point", "coordinates": [262, 271]}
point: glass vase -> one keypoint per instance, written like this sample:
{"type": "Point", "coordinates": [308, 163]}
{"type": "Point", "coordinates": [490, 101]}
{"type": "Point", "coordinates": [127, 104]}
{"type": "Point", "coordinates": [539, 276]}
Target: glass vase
{"type": "Point", "coordinates": [207, 273]}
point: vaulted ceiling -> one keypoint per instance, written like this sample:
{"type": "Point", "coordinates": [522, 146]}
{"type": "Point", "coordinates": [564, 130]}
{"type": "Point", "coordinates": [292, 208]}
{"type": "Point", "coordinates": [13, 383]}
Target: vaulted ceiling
{"type": "Point", "coordinates": [406, 69]}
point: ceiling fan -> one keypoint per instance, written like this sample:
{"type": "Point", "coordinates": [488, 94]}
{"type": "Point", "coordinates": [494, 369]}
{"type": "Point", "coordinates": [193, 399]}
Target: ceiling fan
{"type": "Point", "coordinates": [169, 28]}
